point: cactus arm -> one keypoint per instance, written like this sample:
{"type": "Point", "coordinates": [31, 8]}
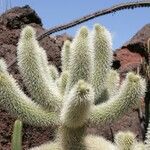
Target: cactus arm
{"type": "Point", "coordinates": [62, 82]}
{"type": "Point", "coordinates": [31, 65]}
{"type": "Point", "coordinates": [65, 55]}
{"type": "Point", "coordinates": [72, 138]}
{"type": "Point", "coordinates": [131, 91]}
{"type": "Point", "coordinates": [16, 143]}
{"type": "Point", "coordinates": [80, 59]}
{"type": "Point", "coordinates": [53, 72]}
{"type": "Point", "coordinates": [102, 49]}
{"type": "Point", "coordinates": [18, 104]}
{"type": "Point", "coordinates": [77, 105]}
{"type": "Point", "coordinates": [112, 83]}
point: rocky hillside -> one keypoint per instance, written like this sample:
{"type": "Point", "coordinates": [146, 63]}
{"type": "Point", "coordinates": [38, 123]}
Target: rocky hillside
{"type": "Point", "coordinates": [11, 23]}
{"type": "Point", "coordinates": [129, 56]}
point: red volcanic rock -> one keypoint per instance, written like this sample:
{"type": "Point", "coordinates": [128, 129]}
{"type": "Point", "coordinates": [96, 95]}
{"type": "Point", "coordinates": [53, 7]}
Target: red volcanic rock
{"type": "Point", "coordinates": [128, 60]}
{"type": "Point", "coordinates": [129, 56]}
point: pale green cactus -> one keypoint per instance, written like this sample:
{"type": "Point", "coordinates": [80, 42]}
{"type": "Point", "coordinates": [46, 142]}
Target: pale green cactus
{"type": "Point", "coordinates": [65, 55]}
{"type": "Point", "coordinates": [125, 140]}
{"type": "Point", "coordinates": [73, 98]}
{"type": "Point", "coordinates": [16, 143]}
{"type": "Point", "coordinates": [53, 72]}
{"type": "Point", "coordinates": [102, 52]}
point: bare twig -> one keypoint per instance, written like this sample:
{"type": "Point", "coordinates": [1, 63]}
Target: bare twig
{"type": "Point", "coordinates": [129, 5]}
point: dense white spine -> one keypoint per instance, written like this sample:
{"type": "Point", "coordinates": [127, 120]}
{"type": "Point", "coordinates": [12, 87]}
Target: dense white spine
{"type": "Point", "coordinates": [80, 59]}
{"type": "Point", "coordinates": [77, 105]}
{"type": "Point", "coordinates": [65, 55]}
{"type": "Point", "coordinates": [19, 105]}
{"type": "Point", "coordinates": [112, 83]}
{"type": "Point", "coordinates": [32, 64]}
{"type": "Point", "coordinates": [130, 93]}
{"type": "Point", "coordinates": [102, 48]}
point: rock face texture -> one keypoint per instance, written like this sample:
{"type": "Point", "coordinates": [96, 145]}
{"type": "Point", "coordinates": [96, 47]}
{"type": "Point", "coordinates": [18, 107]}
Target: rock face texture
{"type": "Point", "coordinates": [129, 56]}
{"type": "Point", "coordinates": [11, 23]}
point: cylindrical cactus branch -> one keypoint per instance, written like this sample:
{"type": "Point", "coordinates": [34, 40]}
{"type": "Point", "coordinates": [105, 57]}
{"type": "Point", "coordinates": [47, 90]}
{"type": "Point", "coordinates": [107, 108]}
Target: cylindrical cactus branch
{"type": "Point", "coordinates": [80, 66]}
{"type": "Point", "coordinates": [33, 68]}
{"type": "Point", "coordinates": [102, 49]}
{"type": "Point", "coordinates": [62, 82]}
{"type": "Point", "coordinates": [77, 105]}
{"type": "Point", "coordinates": [53, 72]}
{"type": "Point", "coordinates": [65, 55]}
{"type": "Point", "coordinates": [72, 138]}
{"type": "Point", "coordinates": [112, 83]}
{"type": "Point", "coordinates": [21, 106]}
{"type": "Point", "coordinates": [16, 143]}
{"type": "Point", "coordinates": [74, 116]}
{"type": "Point", "coordinates": [131, 91]}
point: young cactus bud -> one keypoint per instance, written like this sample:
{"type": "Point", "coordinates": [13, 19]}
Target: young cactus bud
{"type": "Point", "coordinates": [18, 104]}
{"type": "Point", "coordinates": [125, 140]}
{"type": "Point", "coordinates": [72, 138]}
{"type": "Point", "coordinates": [102, 49]}
{"type": "Point", "coordinates": [16, 143]}
{"type": "Point", "coordinates": [77, 105]}
{"type": "Point", "coordinates": [80, 59]}
{"type": "Point", "coordinates": [65, 55]}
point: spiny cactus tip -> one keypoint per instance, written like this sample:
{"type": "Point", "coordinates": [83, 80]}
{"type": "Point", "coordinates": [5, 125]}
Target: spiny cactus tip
{"type": "Point", "coordinates": [28, 32]}
{"type": "Point", "coordinates": [99, 27]}
{"type": "Point", "coordinates": [67, 43]}
{"type": "Point", "coordinates": [133, 77]}
{"type": "Point", "coordinates": [82, 86]}
{"type": "Point", "coordinates": [125, 139]}
{"type": "Point", "coordinates": [83, 32]}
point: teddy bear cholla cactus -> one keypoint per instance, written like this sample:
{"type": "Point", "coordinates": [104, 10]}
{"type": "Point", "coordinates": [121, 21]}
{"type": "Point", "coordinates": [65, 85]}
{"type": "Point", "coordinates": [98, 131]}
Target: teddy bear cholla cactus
{"type": "Point", "coordinates": [79, 96]}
